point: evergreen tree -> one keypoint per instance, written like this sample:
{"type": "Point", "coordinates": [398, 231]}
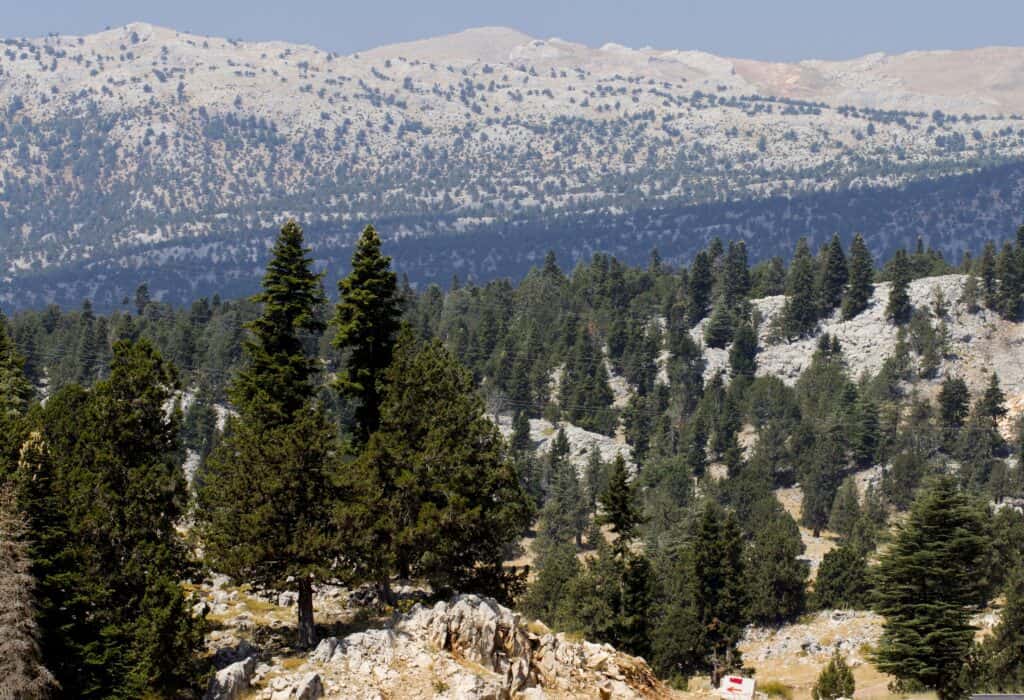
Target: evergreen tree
{"type": "Point", "coordinates": [104, 491]}
{"type": "Point", "coordinates": [743, 353]}
{"type": "Point", "coordinates": [282, 440]}
{"type": "Point", "coordinates": [521, 432]}
{"type": "Point", "coordinates": [927, 587]}
{"type": "Point", "coordinates": [1002, 652]}
{"type": "Point", "coordinates": [820, 481]}
{"type": "Point", "coordinates": [835, 680]}
{"type": "Point", "coordinates": [367, 320]}
{"type": "Point", "coordinates": [899, 309]}
{"type": "Point", "coordinates": [15, 389]}
{"type": "Point", "coordinates": [1011, 282]}
{"type": "Point", "coordinates": [832, 277]}
{"type": "Point", "coordinates": [701, 282]}
{"type": "Point", "coordinates": [565, 511]}
{"type": "Point", "coordinates": [861, 275]}
{"type": "Point", "coordinates": [845, 509]}
{"type": "Point", "coordinates": [954, 402]}
{"type": "Point", "coordinates": [719, 598]}
{"type": "Point", "coordinates": [619, 506]}
{"type": "Point", "coordinates": [800, 312]}
{"type": "Point", "coordinates": [987, 273]}
{"type": "Point", "coordinates": [842, 580]}
{"type": "Point", "coordinates": [585, 395]}
{"type": "Point", "coordinates": [276, 382]}
{"type": "Point", "coordinates": [776, 575]}
{"type": "Point", "coordinates": [718, 331]}
{"type": "Point", "coordinates": [557, 567]}
{"type": "Point", "coordinates": [735, 276]}
{"type": "Point", "coordinates": [433, 494]}
{"type": "Point", "coordinates": [22, 673]}
{"type": "Point", "coordinates": [864, 437]}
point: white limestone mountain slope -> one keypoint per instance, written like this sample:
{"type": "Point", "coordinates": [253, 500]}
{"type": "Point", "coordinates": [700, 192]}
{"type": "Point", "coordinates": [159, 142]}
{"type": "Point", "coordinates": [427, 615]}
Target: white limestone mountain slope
{"type": "Point", "coordinates": [146, 154]}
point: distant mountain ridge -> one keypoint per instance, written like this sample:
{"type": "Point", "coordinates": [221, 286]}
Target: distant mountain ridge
{"type": "Point", "coordinates": [146, 154]}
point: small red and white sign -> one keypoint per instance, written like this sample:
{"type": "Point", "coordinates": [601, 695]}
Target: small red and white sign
{"type": "Point", "coordinates": [736, 688]}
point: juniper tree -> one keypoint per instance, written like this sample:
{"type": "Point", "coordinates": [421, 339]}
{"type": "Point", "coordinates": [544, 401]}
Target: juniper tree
{"type": "Point", "coordinates": [842, 580]}
{"type": "Point", "coordinates": [281, 440]}
{"type": "Point", "coordinates": [861, 274]}
{"type": "Point", "coordinates": [835, 680]}
{"type": "Point", "coordinates": [367, 320]}
{"type": "Point", "coordinates": [927, 588]}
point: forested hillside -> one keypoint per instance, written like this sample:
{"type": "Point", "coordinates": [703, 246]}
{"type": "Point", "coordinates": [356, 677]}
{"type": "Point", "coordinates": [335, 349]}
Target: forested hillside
{"type": "Point", "coordinates": [144, 154]}
{"type": "Point", "coordinates": [356, 446]}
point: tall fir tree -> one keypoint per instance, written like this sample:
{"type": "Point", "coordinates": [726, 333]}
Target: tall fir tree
{"type": "Point", "coordinates": [898, 309]}
{"type": "Point", "coordinates": [104, 490]}
{"type": "Point", "coordinates": [433, 495]}
{"type": "Point", "coordinates": [832, 277]}
{"type": "Point", "coordinates": [927, 587]}
{"type": "Point", "coordinates": [620, 510]}
{"type": "Point", "coordinates": [15, 389]}
{"type": "Point", "coordinates": [701, 282]}
{"type": "Point", "coordinates": [277, 379]}
{"type": "Point", "coordinates": [861, 276]}
{"type": "Point", "coordinates": [800, 312]}
{"type": "Point", "coordinates": [282, 440]}
{"type": "Point", "coordinates": [719, 597]}
{"type": "Point", "coordinates": [367, 320]}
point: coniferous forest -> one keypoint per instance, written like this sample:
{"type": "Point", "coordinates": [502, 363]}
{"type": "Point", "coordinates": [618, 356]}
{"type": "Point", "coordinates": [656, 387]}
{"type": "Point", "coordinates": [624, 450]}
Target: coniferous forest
{"type": "Point", "coordinates": [351, 430]}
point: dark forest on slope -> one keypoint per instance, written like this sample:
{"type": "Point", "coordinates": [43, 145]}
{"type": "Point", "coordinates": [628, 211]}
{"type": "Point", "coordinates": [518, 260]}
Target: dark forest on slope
{"type": "Point", "coordinates": [343, 413]}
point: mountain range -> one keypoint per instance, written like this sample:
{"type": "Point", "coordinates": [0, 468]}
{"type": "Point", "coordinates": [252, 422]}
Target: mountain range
{"type": "Point", "coordinates": [144, 154]}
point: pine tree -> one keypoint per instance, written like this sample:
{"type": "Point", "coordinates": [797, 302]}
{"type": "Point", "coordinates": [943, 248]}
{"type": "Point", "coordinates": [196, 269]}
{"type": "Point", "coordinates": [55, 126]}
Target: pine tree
{"type": "Point", "coordinates": [557, 566]}
{"type": "Point", "coordinates": [835, 680]}
{"type": "Point", "coordinates": [861, 275]}
{"type": "Point", "coordinates": [22, 673]}
{"type": "Point", "coordinates": [927, 587]}
{"type": "Point", "coordinates": [619, 504]}
{"type": "Point", "coordinates": [282, 440]}
{"type": "Point", "coordinates": [585, 395]}
{"type": "Point", "coordinates": [800, 312]}
{"type": "Point", "coordinates": [899, 309]}
{"type": "Point", "coordinates": [735, 276]}
{"type": "Point", "coordinates": [845, 509]}
{"type": "Point", "coordinates": [821, 480]}
{"type": "Point", "coordinates": [865, 438]}
{"type": "Point", "coordinates": [367, 320]}
{"type": "Point", "coordinates": [992, 404]}
{"type": "Point", "coordinates": [832, 277]}
{"type": "Point", "coordinates": [433, 494]}
{"type": "Point", "coordinates": [276, 382]}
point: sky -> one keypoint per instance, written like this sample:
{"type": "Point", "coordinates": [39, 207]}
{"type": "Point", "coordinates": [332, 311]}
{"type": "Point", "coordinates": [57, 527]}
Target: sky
{"type": "Point", "coordinates": [781, 30]}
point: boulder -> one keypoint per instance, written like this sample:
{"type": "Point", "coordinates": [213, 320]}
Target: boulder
{"type": "Point", "coordinates": [231, 682]}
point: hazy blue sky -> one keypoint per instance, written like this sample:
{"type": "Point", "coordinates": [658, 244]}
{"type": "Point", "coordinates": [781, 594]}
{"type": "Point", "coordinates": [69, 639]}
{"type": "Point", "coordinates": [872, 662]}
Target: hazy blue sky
{"type": "Point", "coordinates": [768, 29]}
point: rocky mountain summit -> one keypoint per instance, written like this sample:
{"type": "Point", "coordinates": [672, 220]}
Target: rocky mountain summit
{"type": "Point", "coordinates": [146, 154]}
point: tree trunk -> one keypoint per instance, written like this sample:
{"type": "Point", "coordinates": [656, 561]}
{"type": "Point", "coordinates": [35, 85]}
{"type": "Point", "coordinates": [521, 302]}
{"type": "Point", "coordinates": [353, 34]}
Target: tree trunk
{"type": "Point", "coordinates": [307, 630]}
{"type": "Point", "coordinates": [384, 592]}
